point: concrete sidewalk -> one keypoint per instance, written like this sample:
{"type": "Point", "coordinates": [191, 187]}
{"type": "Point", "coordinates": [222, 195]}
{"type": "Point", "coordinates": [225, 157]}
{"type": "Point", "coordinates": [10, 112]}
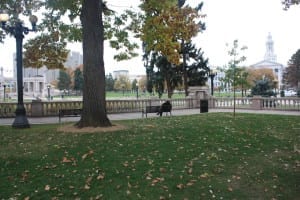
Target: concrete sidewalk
{"type": "Point", "coordinates": [125, 116]}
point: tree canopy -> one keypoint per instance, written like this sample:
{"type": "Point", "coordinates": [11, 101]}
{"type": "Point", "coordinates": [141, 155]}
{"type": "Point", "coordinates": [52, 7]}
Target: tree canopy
{"type": "Point", "coordinates": [288, 3]}
{"type": "Point", "coordinates": [292, 72]}
{"type": "Point", "coordinates": [166, 24]}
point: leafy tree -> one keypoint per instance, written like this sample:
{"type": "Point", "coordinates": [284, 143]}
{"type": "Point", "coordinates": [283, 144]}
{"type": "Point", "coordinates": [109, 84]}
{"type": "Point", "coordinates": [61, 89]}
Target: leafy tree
{"type": "Point", "coordinates": [78, 80]}
{"type": "Point", "coordinates": [288, 3]}
{"type": "Point", "coordinates": [91, 30]}
{"type": "Point", "coordinates": [234, 71]}
{"type": "Point", "coordinates": [292, 72]}
{"type": "Point", "coordinates": [134, 85]}
{"type": "Point", "coordinates": [109, 82]}
{"type": "Point", "coordinates": [167, 24]}
{"type": "Point", "coordinates": [263, 87]}
{"type": "Point", "coordinates": [45, 50]}
{"type": "Point", "coordinates": [167, 27]}
{"type": "Point", "coordinates": [197, 69]}
{"type": "Point", "coordinates": [64, 80]}
{"type": "Point", "coordinates": [257, 74]}
{"type": "Point", "coordinates": [122, 83]}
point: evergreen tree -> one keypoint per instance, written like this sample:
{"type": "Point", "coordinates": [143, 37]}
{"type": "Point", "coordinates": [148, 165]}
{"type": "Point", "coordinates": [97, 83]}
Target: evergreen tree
{"type": "Point", "coordinates": [64, 80]}
{"type": "Point", "coordinates": [263, 87]}
{"type": "Point", "coordinates": [109, 82]}
{"type": "Point", "coordinates": [78, 80]}
{"type": "Point", "coordinates": [292, 72]}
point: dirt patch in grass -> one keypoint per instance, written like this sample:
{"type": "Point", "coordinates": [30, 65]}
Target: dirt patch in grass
{"type": "Point", "coordinates": [70, 128]}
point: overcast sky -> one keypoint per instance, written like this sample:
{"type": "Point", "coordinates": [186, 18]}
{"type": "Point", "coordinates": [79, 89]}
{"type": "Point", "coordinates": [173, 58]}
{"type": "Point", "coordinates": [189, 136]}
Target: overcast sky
{"type": "Point", "coordinates": [249, 21]}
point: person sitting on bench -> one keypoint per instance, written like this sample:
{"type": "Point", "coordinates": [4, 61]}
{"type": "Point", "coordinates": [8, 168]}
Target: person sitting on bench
{"type": "Point", "coordinates": [165, 107]}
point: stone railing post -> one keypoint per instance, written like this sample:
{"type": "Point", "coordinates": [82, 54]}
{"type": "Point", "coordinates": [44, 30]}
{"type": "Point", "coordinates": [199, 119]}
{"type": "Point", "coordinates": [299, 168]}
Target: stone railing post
{"type": "Point", "coordinates": [257, 103]}
{"type": "Point", "coordinates": [212, 102]}
{"type": "Point", "coordinates": [36, 108]}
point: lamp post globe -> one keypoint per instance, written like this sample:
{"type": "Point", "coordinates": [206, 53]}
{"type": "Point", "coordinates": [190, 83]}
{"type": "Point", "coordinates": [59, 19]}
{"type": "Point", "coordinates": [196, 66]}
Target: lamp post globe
{"type": "Point", "coordinates": [18, 31]}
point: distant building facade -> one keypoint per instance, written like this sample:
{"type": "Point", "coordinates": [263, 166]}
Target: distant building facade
{"type": "Point", "coordinates": [37, 80]}
{"type": "Point", "coordinates": [270, 62]}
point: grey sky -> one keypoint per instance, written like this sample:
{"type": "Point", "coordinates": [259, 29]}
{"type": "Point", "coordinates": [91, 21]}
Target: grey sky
{"type": "Point", "coordinates": [249, 21]}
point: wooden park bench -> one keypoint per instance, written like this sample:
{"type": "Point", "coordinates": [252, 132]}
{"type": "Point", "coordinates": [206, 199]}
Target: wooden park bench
{"type": "Point", "coordinates": [150, 109]}
{"type": "Point", "coordinates": [69, 113]}
{"type": "Point", "coordinates": [157, 109]}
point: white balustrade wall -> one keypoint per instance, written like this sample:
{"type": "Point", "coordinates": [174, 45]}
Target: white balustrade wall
{"type": "Point", "coordinates": [51, 108]}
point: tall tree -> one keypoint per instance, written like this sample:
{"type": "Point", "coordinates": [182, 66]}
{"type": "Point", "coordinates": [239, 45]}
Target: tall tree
{"type": "Point", "coordinates": [292, 72]}
{"type": "Point", "coordinates": [197, 67]}
{"type": "Point", "coordinates": [78, 80]}
{"type": "Point", "coordinates": [91, 32]}
{"type": "Point", "coordinates": [167, 27]}
{"type": "Point", "coordinates": [94, 102]}
{"type": "Point", "coordinates": [122, 83]}
{"type": "Point", "coordinates": [109, 82]}
{"type": "Point", "coordinates": [234, 71]}
{"type": "Point", "coordinates": [64, 80]}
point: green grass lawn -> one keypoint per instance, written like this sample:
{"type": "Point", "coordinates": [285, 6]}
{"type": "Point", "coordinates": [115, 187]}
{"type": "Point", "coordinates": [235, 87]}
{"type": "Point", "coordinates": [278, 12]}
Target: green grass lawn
{"type": "Point", "coordinates": [205, 156]}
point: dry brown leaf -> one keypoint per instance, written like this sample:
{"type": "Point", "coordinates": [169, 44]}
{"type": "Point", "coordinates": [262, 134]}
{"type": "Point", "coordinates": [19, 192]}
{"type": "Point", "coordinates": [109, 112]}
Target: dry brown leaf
{"type": "Point", "coordinates": [100, 176]}
{"type": "Point", "coordinates": [66, 160]}
{"type": "Point", "coordinates": [47, 187]}
{"type": "Point", "coordinates": [87, 187]}
{"type": "Point", "coordinates": [180, 186]}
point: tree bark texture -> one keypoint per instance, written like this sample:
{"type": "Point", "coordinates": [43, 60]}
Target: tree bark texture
{"type": "Point", "coordinates": [94, 102]}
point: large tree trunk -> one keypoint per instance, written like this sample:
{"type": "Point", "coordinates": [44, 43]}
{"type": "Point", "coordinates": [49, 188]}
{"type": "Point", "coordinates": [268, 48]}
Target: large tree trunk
{"type": "Point", "coordinates": [94, 102]}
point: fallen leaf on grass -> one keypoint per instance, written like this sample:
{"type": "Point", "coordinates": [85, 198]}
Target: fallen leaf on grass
{"type": "Point", "coordinates": [100, 176]}
{"type": "Point", "coordinates": [47, 187]}
{"type": "Point", "coordinates": [66, 160]}
{"type": "Point", "coordinates": [180, 186]}
{"type": "Point", "coordinates": [205, 175]}
{"type": "Point", "coordinates": [87, 187]}
{"type": "Point", "coordinates": [191, 182]}
{"type": "Point", "coordinates": [84, 156]}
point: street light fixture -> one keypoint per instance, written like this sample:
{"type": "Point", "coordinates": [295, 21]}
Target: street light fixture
{"type": "Point", "coordinates": [18, 31]}
{"type": "Point", "coordinates": [275, 86]}
{"type": "Point", "coordinates": [48, 87]}
{"type": "Point", "coordinates": [4, 87]}
{"type": "Point", "coordinates": [137, 90]}
{"type": "Point", "coordinates": [212, 75]}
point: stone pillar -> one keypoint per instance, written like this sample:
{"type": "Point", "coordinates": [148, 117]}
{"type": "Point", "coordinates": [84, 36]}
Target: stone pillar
{"type": "Point", "coordinates": [196, 93]}
{"type": "Point", "coordinates": [36, 108]}
{"type": "Point", "coordinates": [257, 103]}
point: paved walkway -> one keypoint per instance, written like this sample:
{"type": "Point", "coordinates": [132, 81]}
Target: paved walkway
{"type": "Point", "coordinates": [124, 116]}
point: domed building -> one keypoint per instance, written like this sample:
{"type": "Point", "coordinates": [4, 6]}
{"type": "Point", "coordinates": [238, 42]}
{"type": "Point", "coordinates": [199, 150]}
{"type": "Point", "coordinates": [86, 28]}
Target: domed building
{"type": "Point", "coordinates": [270, 62]}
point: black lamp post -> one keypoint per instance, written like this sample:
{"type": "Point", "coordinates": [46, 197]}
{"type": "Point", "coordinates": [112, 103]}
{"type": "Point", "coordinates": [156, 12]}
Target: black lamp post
{"type": "Point", "coordinates": [18, 31]}
{"type": "Point", "coordinates": [48, 87]}
{"type": "Point", "coordinates": [212, 75]}
{"type": "Point", "coordinates": [137, 90]}
{"type": "Point", "coordinates": [275, 86]}
{"type": "Point", "coordinates": [4, 87]}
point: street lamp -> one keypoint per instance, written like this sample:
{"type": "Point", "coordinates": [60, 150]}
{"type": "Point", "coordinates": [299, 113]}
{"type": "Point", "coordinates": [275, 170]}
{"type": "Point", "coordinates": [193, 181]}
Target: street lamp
{"type": "Point", "coordinates": [18, 31]}
{"type": "Point", "coordinates": [212, 75]}
{"type": "Point", "coordinates": [4, 87]}
{"type": "Point", "coordinates": [275, 86]}
{"type": "Point", "coordinates": [48, 87]}
{"type": "Point", "coordinates": [137, 90]}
